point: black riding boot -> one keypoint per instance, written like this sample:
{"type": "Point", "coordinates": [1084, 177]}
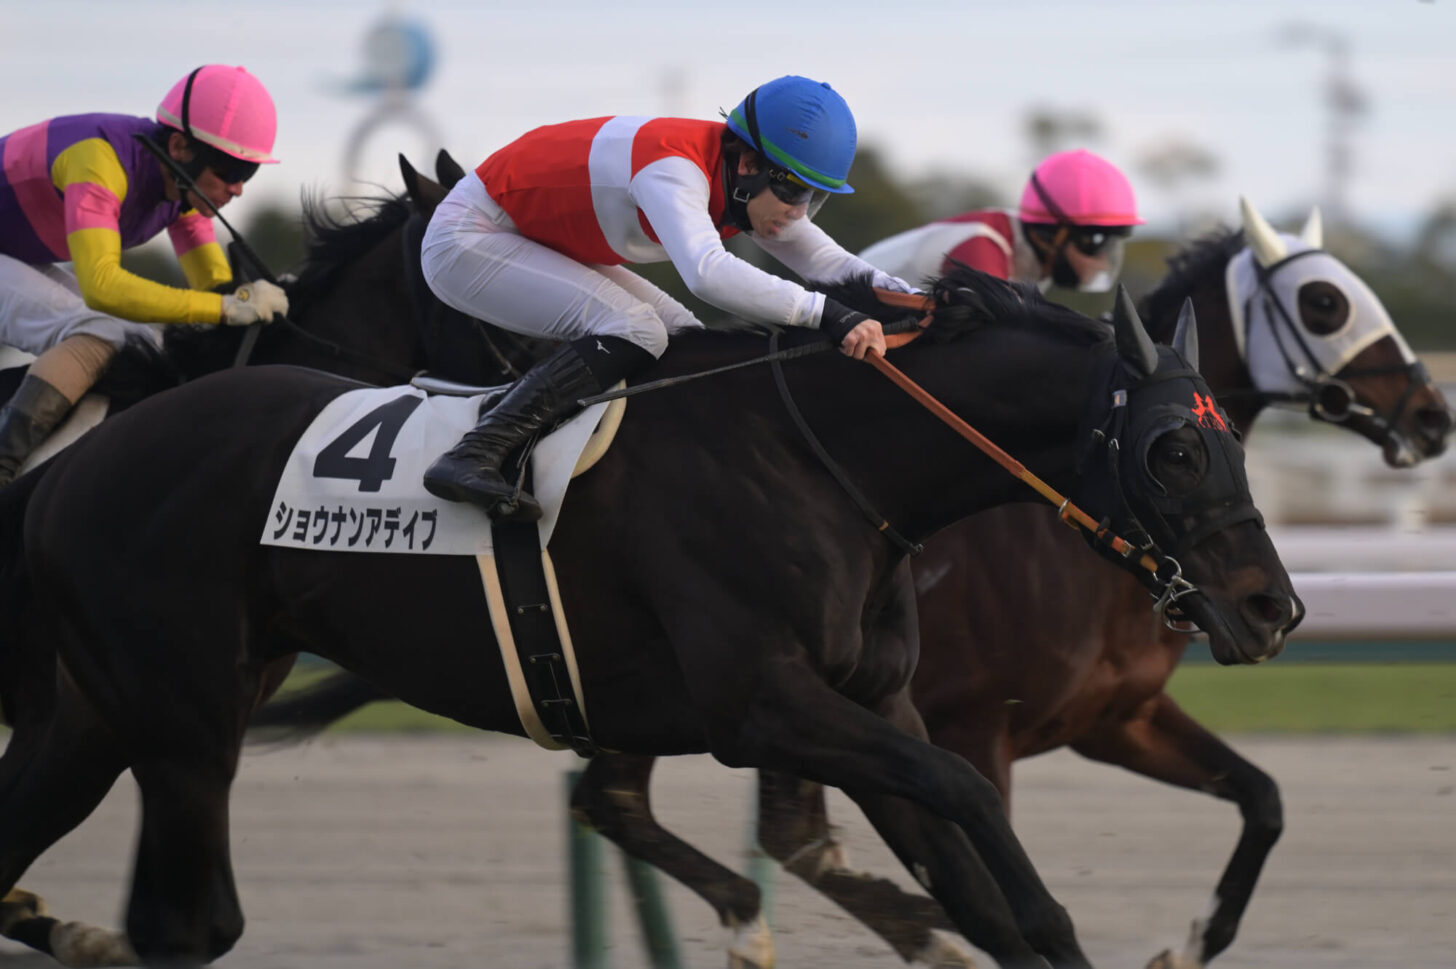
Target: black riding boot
{"type": "Point", "coordinates": [26, 420]}
{"type": "Point", "coordinates": [470, 471]}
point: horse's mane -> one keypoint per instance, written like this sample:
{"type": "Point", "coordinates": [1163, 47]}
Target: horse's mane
{"type": "Point", "coordinates": [972, 300]}
{"type": "Point", "coordinates": [335, 242]}
{"type": "Point", "coordinates": [1187, 268]}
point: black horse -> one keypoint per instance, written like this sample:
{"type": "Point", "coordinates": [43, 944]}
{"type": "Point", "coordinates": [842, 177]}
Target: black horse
{"type": "Point", "coordinates": [739, 604]}
{"type": "Point", "coordinates": [1000, 676]}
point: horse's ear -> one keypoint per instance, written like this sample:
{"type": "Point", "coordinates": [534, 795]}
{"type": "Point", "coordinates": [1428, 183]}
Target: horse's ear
{"type": "Point", "coordinates": [1268, 247]}
{"type": "Point", "coordinates": [1185, 334]}
{"type": "Point", "coordinates": [1133, 343]}
{"type": "Point", "coordinates": [447, 169]}
{"type": "Point", "coordinates": [411, 178]}
{"type": "Point", "coordinates": [422, 191]}
{"type": "Point", "coordinates": [1313, 232]}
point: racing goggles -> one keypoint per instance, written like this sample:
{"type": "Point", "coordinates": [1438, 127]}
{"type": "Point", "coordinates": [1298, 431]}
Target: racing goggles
{"type": "Point", "coordinates": [790, 190]}
{"type": "Point", "coordinates": [230, 170]}
{"type": "Point", "coordinates": [1094, 241]}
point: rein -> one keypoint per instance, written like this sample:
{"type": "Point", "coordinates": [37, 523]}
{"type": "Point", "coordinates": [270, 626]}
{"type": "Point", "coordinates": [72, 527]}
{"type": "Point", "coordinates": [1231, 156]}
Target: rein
{"type": "Point", "coordinates": [1173, 585]}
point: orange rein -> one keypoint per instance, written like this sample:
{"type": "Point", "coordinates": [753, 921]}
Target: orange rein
{"type": "Point", "coordinates": [1068, 512]}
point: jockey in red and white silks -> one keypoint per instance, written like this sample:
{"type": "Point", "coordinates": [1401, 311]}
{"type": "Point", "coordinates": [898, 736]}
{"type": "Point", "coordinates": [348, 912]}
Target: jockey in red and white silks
{"type": "Point", "coordinates": [990, 240]}
{"type": "Point", "coordinates": [1076, 212]}
{"type": "Point", "coordinates": [534, 240]}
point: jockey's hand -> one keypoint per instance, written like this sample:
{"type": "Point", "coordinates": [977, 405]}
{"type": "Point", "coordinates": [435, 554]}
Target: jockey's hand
{"type": "Point", "coordinates": [867, 335]}
{"type": "Point", "coordinates": [257, 302]}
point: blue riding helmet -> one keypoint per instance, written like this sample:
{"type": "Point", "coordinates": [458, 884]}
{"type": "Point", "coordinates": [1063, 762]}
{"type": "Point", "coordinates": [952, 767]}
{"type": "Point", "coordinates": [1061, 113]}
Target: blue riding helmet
{"type": "Point", "coordinates": [801, 126]}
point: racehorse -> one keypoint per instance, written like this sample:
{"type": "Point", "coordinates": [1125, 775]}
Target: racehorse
{"type": "Point", "coordinates": [359, 309]}
{"type": "Point", "coordinates": [738, 603]}
{"type": "Point", "coordinates": [1001, 677]}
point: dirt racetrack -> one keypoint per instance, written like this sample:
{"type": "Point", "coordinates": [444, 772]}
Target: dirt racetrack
{"type": "Point", "coordinates": [434, 852]}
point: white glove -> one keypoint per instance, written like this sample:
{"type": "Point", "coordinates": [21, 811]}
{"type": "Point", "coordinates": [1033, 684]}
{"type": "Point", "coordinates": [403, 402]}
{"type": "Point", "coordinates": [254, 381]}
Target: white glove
{"type": "Point", "coordinates": [256, 302]}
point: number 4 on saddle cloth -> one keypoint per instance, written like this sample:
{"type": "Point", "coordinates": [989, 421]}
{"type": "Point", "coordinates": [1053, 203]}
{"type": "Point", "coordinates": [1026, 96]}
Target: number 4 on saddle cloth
{"type": "Point", "coordinates": [353, 484]}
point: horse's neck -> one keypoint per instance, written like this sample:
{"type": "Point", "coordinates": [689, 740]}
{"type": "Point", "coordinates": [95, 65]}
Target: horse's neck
{"type": "Point", "coordinates": [1026, 392]}
{"type": "Point", "coordinates": [1219, 361]}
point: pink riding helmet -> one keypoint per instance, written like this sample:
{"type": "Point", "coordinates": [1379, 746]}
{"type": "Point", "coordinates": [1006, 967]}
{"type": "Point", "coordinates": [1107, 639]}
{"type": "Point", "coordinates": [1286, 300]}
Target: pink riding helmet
{"type": "Point", "coordinates": [225, 107]}
{"type": "Point", "coordinates": [1078, 188]}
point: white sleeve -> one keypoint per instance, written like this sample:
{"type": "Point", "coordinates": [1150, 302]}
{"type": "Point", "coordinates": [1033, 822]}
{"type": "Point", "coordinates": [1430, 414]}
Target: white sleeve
{"type": "Point", "coordinates": [673, 193]}
{"type": "Point", "coordinates": [807, 250]}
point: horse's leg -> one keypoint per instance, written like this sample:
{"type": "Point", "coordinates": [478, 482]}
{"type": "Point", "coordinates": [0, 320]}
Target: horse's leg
{"type": "Point", "coordinates": [612, 797]}
{"type": "Point", "coordinates": [52, 777]}
{"type": "Point", "coordinates": [184, 907]}
{"type": "Point", "coordinates": [796, 723]}
{"type": "Point", "coordinates": [793, 828]}
{"type": "Point", "coordinates": [1164, 743]}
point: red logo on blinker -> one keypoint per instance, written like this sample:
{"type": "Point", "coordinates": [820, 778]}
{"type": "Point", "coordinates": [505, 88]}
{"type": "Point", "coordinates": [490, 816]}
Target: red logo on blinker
{"type": "Point", "coordinates": [1207, 412]}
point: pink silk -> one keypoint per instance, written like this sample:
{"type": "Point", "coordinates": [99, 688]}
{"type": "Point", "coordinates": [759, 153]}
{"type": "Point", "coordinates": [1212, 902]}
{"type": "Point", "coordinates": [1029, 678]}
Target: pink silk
{"type": "Point", "coordinates": [25, 169]}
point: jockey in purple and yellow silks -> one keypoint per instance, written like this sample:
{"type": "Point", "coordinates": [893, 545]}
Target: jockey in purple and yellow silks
{"type": "Point", "coordinates": [82, 188]}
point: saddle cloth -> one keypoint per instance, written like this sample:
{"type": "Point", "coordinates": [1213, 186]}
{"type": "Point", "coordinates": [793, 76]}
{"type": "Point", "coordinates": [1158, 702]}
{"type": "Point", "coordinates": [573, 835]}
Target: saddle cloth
{"type": "Point", "coordinates": [353, 482]}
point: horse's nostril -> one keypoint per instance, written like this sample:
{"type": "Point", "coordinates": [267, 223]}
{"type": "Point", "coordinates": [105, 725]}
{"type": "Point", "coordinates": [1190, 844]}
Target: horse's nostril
{"type": "Point", "coordinates": [1435, 422]}
{"type": "Point", "coordinates": [1270, 610]}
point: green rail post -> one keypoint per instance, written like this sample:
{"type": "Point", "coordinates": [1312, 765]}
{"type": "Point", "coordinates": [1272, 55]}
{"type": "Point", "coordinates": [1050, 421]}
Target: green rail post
{"type": "Point", "coordinates": [653, 916]}
{"type": "Point", "coordinates": [588, 903]}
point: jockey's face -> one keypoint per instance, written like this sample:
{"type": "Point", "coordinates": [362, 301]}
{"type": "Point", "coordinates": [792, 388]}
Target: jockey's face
{"type": "Point", "coordinates": [215, 191]}
{"type": "Point", "coordinates": [767, 213]}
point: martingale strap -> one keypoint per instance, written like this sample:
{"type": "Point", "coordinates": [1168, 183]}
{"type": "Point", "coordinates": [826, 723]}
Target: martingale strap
{"type": "Point", "coordinates": [880, 522]}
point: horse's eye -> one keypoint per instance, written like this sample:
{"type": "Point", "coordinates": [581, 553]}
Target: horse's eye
{"type": "Point", "coordinates": [1179, 456]}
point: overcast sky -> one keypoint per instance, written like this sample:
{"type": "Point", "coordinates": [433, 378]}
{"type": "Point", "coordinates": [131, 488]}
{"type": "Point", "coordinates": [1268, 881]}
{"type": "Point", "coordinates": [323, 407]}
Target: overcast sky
{"type": "Point", "coordinates": [939, 85]}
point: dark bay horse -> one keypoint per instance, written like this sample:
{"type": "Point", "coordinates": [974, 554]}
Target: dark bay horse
{"type": "Point", "coordinates": [359, 310]}
{"type": "Point", "coordinates": [1003, 677]}
{"type": "Point", "coordinates": [738, 603]}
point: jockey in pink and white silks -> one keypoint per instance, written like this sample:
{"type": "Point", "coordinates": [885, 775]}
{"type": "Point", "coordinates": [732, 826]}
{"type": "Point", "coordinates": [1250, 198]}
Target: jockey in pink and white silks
{"type": "Point", "coordinates": [1076, 213]}
{"type": "Point", "coordinates": [82, 188]}
{"type": "Point", "coordinates": [535, 239]}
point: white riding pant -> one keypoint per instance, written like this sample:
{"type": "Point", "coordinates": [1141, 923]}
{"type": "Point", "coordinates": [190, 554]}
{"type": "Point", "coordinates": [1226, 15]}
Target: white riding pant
{"type": "Point", "coordinates": [41, 305]}
{"type": "Point", "coordinates": [476, 260]}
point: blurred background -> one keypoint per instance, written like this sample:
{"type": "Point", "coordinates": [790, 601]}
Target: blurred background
{"type": "Point", "coordinates": [1344, 105]}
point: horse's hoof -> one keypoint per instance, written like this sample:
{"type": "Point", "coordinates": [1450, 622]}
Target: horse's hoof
{"type": "Point", "coordinates": [82, 946]}
{"type": "Point", "coordinates": [19, 905]}
{"type": "Point", "coordinates": [943, 951]}
{"type": "Point", "coordinates": [750, 946]}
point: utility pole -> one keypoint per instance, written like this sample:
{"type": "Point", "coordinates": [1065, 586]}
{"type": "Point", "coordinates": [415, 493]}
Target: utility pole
{"type": "Point", "coordinates": [1344, 104]}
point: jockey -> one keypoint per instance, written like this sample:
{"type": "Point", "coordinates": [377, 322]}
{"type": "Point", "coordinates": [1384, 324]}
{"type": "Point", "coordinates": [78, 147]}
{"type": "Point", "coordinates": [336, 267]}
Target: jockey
{"type": "Point", "coordinates": [82, 188]}
{"type": "Point", "coordinates": [535, 238]}
{"type": "Point", "coordinates": [1076, 213]}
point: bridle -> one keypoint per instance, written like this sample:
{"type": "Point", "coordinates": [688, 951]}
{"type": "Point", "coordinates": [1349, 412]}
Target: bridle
{"type": "Point", "coordinates": [1329, 397]}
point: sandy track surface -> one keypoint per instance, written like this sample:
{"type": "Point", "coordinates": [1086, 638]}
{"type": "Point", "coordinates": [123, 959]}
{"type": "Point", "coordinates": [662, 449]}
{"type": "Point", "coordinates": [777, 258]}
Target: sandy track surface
{"type": "Point", "coordinates": [428, 852]}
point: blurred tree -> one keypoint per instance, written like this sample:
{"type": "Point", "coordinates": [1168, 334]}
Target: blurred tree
{"type": "Point", "coordinates": [1049, 129]}
{"type": "Point", "coordinates": [943, 194]}
{"type": "Point", "coordinates": [276, 234]}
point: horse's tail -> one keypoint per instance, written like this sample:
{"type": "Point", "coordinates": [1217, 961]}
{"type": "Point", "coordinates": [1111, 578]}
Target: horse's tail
{"type": "Point", "coordinates": [27, 675]}
{"type": "Point", "coordinates": [297, 716]}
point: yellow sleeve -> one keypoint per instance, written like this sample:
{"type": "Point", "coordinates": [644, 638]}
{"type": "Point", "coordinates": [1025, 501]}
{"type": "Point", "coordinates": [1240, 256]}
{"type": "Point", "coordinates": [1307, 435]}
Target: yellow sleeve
{"type": "Point", "coordinates": [94, 184]}
{"type": "Point", "coordinates": [205, 266]}
{"type": "Point", "coordinates": [111, 289]}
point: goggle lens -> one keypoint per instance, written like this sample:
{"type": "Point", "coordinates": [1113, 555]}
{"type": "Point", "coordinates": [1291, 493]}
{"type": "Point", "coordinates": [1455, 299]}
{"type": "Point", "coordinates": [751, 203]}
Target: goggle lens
{"type": "Point", "coordinates": [231, 170]}
{"type": "Point", "coordinates": [788, 189]}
